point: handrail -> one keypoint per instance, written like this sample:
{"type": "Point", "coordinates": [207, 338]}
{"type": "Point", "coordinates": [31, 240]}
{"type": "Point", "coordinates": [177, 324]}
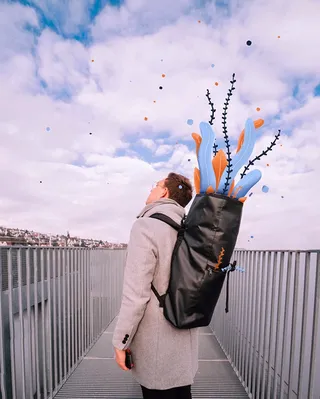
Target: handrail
{"type": "Point", "coordinates": [271, 334]}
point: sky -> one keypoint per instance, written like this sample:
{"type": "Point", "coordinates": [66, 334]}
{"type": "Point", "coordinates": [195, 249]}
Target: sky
{"type": "Point", "coordinates": [78, 79]}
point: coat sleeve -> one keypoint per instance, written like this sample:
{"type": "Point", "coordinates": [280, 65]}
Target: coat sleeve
{"type": "Point", "coordinates": [142, 254]}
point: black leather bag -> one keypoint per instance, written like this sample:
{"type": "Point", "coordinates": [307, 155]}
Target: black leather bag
{"type": "Point", "coordinates": [205, 243]}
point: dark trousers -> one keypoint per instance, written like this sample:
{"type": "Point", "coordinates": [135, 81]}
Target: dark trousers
{"type": "Point", "coordinates": [174, 393]}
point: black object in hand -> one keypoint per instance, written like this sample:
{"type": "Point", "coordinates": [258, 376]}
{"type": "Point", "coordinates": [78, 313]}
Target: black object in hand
{"type": "Point", "coordinates": [129, 360]}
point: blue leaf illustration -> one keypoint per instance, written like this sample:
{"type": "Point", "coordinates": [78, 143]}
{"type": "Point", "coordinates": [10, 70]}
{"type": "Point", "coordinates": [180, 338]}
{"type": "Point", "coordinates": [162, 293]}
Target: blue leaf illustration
{"type": "Point", "coordinates": [241, 157]}
{"type": "Point", "coordinates": [207, 176]}
{"type": "Point", "coordinates": [246, 183]}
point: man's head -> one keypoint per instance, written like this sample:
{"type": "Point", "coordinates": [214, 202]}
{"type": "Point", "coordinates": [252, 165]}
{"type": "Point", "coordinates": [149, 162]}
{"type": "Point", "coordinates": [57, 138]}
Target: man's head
{"type": "Point", "coordinates": [176, 187]}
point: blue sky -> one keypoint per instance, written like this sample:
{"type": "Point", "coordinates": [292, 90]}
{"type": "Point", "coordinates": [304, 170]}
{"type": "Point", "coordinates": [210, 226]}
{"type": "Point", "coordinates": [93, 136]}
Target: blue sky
{"type": "Point", "coordinates": [82, 67]}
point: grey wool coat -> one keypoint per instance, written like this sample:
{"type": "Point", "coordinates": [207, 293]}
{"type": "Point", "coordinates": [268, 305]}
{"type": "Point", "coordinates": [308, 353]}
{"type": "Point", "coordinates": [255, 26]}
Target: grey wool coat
{"type": "Point", "coordinates": [164, 357]}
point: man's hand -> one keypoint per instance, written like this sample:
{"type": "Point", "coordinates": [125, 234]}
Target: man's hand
{"type": "Point", "coordinates": [121, 358]}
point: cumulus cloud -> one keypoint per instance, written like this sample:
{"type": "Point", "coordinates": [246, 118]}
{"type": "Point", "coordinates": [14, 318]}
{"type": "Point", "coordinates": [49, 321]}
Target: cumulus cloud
{"type": "Point", "coordinates": [100, 156]}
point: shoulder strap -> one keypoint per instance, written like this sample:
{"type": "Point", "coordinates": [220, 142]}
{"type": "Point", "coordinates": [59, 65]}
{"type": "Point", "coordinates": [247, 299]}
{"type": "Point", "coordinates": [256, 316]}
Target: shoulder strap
{"type": "Point", "coordinates": [176, 226]}
{"type": "Point", "coordinates": [166, 219]}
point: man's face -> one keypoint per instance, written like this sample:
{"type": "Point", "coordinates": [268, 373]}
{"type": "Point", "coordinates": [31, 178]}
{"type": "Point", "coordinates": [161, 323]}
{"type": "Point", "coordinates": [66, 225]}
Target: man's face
{"type": "Point", "coordinates": [157, 192]}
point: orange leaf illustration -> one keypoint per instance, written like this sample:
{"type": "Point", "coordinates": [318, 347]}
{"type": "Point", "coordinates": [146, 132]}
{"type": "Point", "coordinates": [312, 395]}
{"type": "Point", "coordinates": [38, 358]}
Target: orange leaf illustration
{"type": "Point", "coordinates": [196, 176]}
{"type": "Point", "coordinates": [231, 187]}
{"type": "Point", "coordinates": [257, 123]}
{"type": "Point", "coordinates": [210, 190]}
{"type": "Point", "coordinates": [197, 138]}
{"type": "Point", "coordinates": [219, 164]}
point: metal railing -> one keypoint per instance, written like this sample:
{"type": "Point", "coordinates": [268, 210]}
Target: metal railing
{"type": "Point", "coordinates": [54, 304]}
{"type": "Point", "coordinates": [271, 334]}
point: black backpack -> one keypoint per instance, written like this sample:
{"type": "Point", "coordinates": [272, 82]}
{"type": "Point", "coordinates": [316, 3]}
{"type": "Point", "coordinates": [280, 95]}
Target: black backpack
{"type": "Point", "coordinates": [204, 246]}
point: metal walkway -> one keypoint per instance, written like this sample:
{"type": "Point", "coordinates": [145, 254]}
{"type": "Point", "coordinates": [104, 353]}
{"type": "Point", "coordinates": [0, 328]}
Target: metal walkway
{"type": "Point", "coordinates": [98, 375]}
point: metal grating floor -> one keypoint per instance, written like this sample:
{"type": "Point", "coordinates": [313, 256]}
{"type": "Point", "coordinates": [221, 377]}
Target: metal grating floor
{"type": "Point", "coordinates": [98, 375]}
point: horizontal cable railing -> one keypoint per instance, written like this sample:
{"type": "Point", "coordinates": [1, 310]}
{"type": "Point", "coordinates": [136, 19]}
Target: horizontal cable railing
{"type": "Point", "coordinates": [54, 304]}
{"type": "Point", "coordinates": [271, 334]}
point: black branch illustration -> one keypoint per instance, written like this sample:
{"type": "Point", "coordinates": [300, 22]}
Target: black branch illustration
{"type": "Point", "coordinates": [257, 158]}
{"type": "Point", "coordinates": [225, 133]}
{"type": "Point", "coordinates": [212, 118]}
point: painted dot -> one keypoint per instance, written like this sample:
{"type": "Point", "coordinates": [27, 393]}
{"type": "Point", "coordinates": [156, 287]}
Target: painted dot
{"type": "Point", "coordinates": [249, 42]}
{"type": "Point", "coordinates": [265, 189]}
{"type": "Point", "coordinates": [278, 37]}
{"type": "Point", "coordinates": [145, 118]}
{"type": "Point", "coordinates": [189, 160]}
{"type": "Point", "coordinates": [282, 196]}
{"type": "Point", "coordinates": [154, 101]}
{"type": "Point", "coordinates": [212, 65]}
{"type": "Point", "coordinates": [161, 60]}
{"type": "Point", "coordinates": [48, 129]}
{"type": "Point", "coordinates": [250, 194]}
{"type": "Point", "coordinates": [180, 186]}
{"type": "Point", "coordinates": [190, 122]}
{"type": "Point", "coordinates": [90, 133]}
{"type": "Point", "coordinates": [199, 22]}
{"type": "Point", "coordinates": [92, 60]}
{"type": "Point", "coordinates": [216, 83]}
{"type": "Point", "coordinates": [258, 109]}
{"type": "Point", "coordinates": [40, 181]}
{"type": "Point", "coordinates": [160, 87]}
{"type": "Point", "coordinates": [268, 164]}
{"type": "Point", "coordinates": [251, 236]}
{"type": "Point", "coordinates": [163, 75]}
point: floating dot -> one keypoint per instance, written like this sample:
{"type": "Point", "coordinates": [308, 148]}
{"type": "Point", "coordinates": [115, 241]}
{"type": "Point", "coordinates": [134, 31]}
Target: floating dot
{"type": "Point", "coordinates": [180, 186]}
{"type": "Point", "coordinates": [265, 189]}
{"type": "Point", "coordinates": [212, 65]}
{"type": "Point", "coordinates": [161, 60]}
{"type": "Point", "coordinates": [160, 87]}
{"type": "Point", "coordinates": [258, 109]}
{"type": "Point", "coordinates": [163, 75]}
{"type": "Point", "coordinates": [268, 164]}
{"type": "Point", "coordinates": [249, 42]}
{"type": "Point", "coordinates": [154, 101]}
{"type": "Point", "coordinates": [216, 83]}
{"type": "Point", "coordinates": [278, 37]}
{"type": "Point", "coordinates": [251, 236]}
{"type": "Point", "coordinates": [40, 181]}
{"type": "Point", "coordinates": [189, 160]}
{"type": "Point", "coordinates": [48, 129]}
{"type": "Point", "coordinates": [92, 60]}
{"type": "Point", "coordinates": [145, 118]}
{"type": "Point", "coordinates": [190, 122]}
{"type": "Point", "coordinates": [199, 22]}
{"type": "Point", "coordinates": [90, 133]}
{"type": "Point", "coordinates": [282, 196]}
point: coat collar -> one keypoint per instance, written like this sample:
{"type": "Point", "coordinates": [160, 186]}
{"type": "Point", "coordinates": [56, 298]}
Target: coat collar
{"type": "Point", "coordinates": [154, 204]}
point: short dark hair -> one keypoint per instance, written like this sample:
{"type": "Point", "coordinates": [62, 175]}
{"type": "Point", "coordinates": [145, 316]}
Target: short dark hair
{"type": "Point", "coordinates": [179, 187]}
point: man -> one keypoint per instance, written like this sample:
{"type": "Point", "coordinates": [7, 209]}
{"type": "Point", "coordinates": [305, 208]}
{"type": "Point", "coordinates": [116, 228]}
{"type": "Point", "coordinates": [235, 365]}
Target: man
{"type": "Point", "coordinates": [165, 358]}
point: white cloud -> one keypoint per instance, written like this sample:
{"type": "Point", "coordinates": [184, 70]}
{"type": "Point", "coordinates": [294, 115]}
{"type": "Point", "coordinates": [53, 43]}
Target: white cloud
{"type": "Point", "coordinates": [148, 143]}
{"type": "Point", "coordinates": [111, 96]}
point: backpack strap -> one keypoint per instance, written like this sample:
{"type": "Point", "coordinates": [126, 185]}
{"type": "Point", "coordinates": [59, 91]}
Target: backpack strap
{"type": "Point", "coordinates": [176, 226]}
{"type": "Point", "coordinates": [233, 268]}
{"type": "Point", "coordinates": [166, 219]}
